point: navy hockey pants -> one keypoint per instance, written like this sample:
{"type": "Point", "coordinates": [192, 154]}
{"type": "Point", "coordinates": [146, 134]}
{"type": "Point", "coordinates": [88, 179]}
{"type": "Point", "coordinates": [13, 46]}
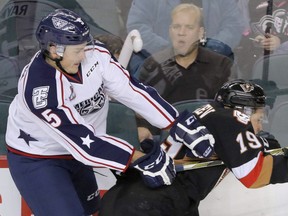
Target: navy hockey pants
{"type": "Point", "coordinates": [57, 187]}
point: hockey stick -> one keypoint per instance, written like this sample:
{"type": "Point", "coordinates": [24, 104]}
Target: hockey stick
{"type": "Point", "coordinates": [133, 42]}
{"type": "Point", "coordinates": [269, 12]}
{"type": "Point", "coordinates": [200, 164]}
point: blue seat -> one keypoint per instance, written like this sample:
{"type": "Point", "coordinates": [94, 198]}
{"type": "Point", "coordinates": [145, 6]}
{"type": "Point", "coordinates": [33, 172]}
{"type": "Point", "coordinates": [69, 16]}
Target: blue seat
{"type": "Point", "coordinates": [121, 122]}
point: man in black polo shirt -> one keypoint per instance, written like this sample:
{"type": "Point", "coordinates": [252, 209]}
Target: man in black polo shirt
{"type": "Point", "coordinates": [186, 70]}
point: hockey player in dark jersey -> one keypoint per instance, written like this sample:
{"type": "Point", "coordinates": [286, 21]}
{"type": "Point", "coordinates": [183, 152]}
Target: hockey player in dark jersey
{"type": "Point", "coordinates": [56, 130]}
{"type": "Point", "coordinates": [233, 119]}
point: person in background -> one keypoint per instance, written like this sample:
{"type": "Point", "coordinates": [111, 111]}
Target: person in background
{"type": "Point", "coordinates": [113, 43]}
{"type": "Point", "coordinates": [123, 7]}
{"type": "Point", "coordinates": [234, 119]}
{"type": "Point", "coordinates": [185, 70]}
{"type": "Point", "coordinates": [266, 34]}
{"type": "Point", "coordinates": [222, 21]}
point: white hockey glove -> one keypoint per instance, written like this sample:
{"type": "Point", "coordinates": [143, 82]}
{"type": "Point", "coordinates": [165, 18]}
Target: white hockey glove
{"type": "Point", "coordinates": [156, 167]}
{"type": "Point", "coordinates": [189, 131]}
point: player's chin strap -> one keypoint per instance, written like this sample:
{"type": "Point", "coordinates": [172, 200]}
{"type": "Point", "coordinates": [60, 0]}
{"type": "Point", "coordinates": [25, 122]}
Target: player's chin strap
{"type": "Point", "coordinates": [57, 61]}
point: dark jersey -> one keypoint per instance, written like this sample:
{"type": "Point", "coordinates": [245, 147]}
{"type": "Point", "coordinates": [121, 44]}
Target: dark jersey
{"type": "Point", "coordinates": [200, 80]}
{"type": "Point", "coordinates": [237, 145]}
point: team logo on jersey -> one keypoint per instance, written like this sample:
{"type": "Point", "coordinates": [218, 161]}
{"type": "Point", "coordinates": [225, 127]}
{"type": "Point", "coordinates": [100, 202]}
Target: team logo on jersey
{"type": "Point", "coordinates": [40, 97]}
{"type": "Point", "coordinates": [93, 104]}
{"type": "Point", "coordinates": [247, 87]}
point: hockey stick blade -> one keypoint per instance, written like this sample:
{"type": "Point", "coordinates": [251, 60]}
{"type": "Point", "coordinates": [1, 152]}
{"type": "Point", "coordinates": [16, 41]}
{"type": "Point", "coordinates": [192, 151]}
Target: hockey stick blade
{"type": "Point", "coordinates": [199, 164]}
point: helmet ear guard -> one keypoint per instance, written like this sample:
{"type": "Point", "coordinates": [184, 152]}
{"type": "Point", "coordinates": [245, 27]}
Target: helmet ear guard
{"type": "Point", "coordinates": [60, 50]}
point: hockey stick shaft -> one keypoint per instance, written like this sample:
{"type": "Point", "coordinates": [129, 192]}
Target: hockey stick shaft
{"type": "Point", "coordinates": [199, 164]}
{"type": "Point", "coordinates": [132, 43]}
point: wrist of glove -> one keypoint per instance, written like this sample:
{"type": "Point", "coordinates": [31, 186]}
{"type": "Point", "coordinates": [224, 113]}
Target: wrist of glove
{"type": "Point", "coordinates": [189, 131]}
{"type": "Point", "coordinates": [272, 143]}
{"type": "Point", "coordinates": [156, 167]}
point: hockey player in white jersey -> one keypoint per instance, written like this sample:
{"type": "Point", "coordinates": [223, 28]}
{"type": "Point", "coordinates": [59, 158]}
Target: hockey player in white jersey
{"type": "Point", "coordinates": [56, 128]}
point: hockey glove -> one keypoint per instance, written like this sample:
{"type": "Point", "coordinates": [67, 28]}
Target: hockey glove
{"type": "Point", "coordinates": [189, 131]}
{"type": "Point", "coordinates": [157, 168]}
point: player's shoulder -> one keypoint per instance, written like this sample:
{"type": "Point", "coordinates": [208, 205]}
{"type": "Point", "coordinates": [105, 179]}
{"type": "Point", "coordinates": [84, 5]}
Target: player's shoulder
{"type": "Point", "coordinates": [97, 48]}
{"type": "Point", "coordinates": [212, 109]}
{"type": "Point", "coordinates": [213, 114]}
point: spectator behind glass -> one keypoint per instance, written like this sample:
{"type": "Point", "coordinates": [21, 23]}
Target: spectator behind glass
{"type": "Point", "coordinates": [18, 22]}
{"type": "Point", "coordinates": [123, 7]}
{"type": "Point", "coordinates": [266, 33]}
{"type": "Point", "coordinates": [222, 22]}
{"type": "Point", "coordinates": [113, 43]}
{"type": "Point", "coordinates": [186, 70]}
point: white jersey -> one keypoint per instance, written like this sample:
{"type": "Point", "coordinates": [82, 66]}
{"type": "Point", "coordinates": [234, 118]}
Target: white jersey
{"type": "Point", "coordinates": [57, 115]}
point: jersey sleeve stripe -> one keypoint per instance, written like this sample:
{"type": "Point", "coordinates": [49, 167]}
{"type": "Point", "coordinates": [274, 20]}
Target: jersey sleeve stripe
{"type": "Point", "coordinates": [152, 96]}
{"type": "Point", "coordinates": [77, 151]}
{"type": "Point", "coordinates": [153, 102]}
{"type": "Point", "coordinates": [149, 94]}
{"type": "Point", "coordinates": [250, 171]}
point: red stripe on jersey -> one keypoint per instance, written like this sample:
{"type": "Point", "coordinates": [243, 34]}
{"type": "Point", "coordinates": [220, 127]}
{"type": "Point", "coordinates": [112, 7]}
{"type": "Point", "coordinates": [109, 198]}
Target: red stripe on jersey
{"type": "Point", "coordinates": [111, 61]}
{"type": "Point", "coordinates": [125, 72]}
{"type": "Point", "coordinates": [18, 152]}
{"type": "Point", "coordinates": [98, 162]}
{"type": "Point", "coordinates": [131, 85]}
{"type": "Point", "coordinates": [153, 104]}
{"type": "Point", "coordinates": [249, 179]}
{"type": "Point", "coordinates": [118, 141]}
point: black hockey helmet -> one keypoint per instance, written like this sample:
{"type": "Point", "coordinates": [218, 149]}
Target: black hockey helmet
{"type": "Point", "coordinates": [240, 94]}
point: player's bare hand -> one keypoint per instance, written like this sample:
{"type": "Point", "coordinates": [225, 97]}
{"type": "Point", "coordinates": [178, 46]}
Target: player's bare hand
{"type": "Point", "coordinates": [144, 133]}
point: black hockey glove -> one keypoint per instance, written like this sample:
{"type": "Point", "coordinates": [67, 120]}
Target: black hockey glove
{"type": "Point", "coordinates": [272, 143]}
{"type": "Point", "coordinates": [189, 131]}
{"type": "Point", "coordinates": [157, 168]}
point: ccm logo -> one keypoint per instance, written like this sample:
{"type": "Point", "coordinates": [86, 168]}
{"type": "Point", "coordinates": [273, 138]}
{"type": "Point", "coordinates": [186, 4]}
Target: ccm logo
{"type": "Point", "coordinates": [93, 195]}
{"type": "Point", "coordinates": [157, 161]}
{"type": "Point", "coordinates": [190, 120]}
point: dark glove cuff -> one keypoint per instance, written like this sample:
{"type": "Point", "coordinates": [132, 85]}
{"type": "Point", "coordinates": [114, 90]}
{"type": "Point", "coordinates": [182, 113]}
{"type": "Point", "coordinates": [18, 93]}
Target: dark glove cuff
{"type": "Point", "coordinates": [153, 147]}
